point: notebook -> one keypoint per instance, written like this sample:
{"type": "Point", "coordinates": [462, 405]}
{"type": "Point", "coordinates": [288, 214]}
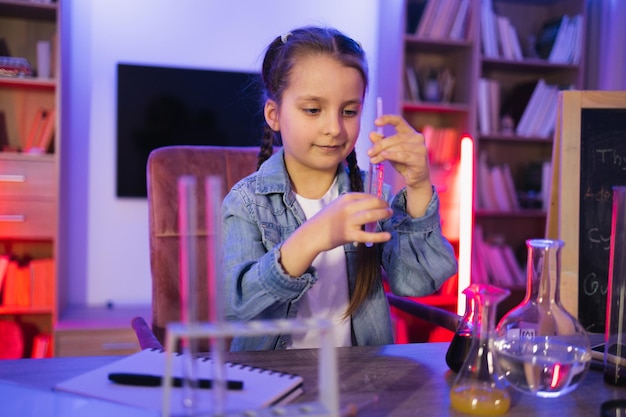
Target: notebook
{"type": "Point", "coordinates": [261, 387]}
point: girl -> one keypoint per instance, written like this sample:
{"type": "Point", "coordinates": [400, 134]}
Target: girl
{"type": "Point", "coordinates": [293, 231]}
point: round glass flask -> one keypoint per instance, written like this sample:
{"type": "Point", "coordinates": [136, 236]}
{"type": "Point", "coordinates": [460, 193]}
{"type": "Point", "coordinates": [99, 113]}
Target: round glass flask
{"type": "Point", "coordinates": [541, 348]}
{"type": "Point", "coordinates": [478, 388]}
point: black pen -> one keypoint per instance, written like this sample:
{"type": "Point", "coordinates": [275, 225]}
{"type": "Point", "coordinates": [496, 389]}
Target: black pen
{"type": "Point", "coordinates": [143, 380]}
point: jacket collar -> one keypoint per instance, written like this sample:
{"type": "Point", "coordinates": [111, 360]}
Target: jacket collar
{"type": "Point", "coordinates": [272, 176]}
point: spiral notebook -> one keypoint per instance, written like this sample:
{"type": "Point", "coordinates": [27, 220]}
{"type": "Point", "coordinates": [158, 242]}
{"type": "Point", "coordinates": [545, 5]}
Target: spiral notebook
{"type": "Point", "coordinates": [261, 387]}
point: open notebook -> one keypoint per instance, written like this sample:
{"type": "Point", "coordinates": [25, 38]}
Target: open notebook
{"type": "Point", "coordinates": [261, 387]}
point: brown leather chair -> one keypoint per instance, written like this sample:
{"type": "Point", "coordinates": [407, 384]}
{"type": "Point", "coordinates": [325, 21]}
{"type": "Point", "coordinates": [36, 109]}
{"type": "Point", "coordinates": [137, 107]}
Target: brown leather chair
{"type": "Point", "coordinates": [165, 166]}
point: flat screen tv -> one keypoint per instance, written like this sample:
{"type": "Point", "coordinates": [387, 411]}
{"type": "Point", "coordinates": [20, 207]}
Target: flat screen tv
{"type": "Point", "coordinates": [162, 106]}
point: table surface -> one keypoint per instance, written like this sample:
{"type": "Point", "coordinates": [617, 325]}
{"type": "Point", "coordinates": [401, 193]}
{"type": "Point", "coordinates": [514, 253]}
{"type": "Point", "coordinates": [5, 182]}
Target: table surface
{"type": "Point", "coordinates": [407, 380]}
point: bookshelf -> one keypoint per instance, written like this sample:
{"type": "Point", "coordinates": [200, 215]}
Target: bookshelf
{"type": "Point", "coordinates": [513, 78]}
{"type": "Point", "coordinates": [28, 177]}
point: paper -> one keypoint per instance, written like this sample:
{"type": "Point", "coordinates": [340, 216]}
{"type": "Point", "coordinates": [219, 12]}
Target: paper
{"type": "Point", "coordinates": [262, 388]}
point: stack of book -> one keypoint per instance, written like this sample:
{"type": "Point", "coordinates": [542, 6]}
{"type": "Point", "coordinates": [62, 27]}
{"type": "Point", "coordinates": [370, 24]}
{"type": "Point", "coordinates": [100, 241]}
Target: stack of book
{"type": "Point", "coordinates": [498, 36]}
{"type": "Point", "coordinates": [534, 115]}
{"type": "Point", "coordinates": [496, 189]}
{"type": "Point", "coordinates": [568, 42]}
{"type": "Point", "coordinates": [29, 285]}
{"type": "Point", "coordinates": [443, 144]}
{"type": "Point", "coordinates": [494, 262]}
{"type": "Point", "coordinates": [444, 19]}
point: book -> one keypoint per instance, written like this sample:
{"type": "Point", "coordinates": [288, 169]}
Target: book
{"type": "Point", "coordinates": [4, 265]}
{"type": "Point", "coordinates": [16, 286]}
{"type": "Point", "coordinates": [47, 131]}
{"type": "Point", "coordinates": [41, 346]}
{"type": "Point", "coordinates": [427, 18]}
{"type": "Point", "coordinates": [42, 282]}
{"type": "Point", "coordinates": [261, 387]}
{"type": "Point", "coordinates": [459, 26]}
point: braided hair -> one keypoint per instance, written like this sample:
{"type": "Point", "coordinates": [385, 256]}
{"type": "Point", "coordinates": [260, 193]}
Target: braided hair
{"type": "Point", "coordinates": [280, 57]}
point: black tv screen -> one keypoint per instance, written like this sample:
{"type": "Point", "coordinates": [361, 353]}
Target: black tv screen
{"type": "Point", "coordinates": [163, 106]}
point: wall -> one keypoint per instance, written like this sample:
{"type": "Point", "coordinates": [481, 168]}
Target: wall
{"type": "Point", "coordinates": [103, 246]}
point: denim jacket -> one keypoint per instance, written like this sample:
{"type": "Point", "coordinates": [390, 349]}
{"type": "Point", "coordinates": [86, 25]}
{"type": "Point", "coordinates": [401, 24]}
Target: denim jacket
{"type": "Point", "coordinates": [261, 211]}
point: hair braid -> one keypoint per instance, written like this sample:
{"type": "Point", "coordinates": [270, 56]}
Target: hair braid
{"type": "Point", "coordinates": [368, 258]}
{"type": "Point", "coordinates": [267, 145]}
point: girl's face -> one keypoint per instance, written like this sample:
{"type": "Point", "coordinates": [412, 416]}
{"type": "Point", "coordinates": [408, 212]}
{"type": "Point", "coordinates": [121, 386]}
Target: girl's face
{"type": "Point", "coordinates": [320, 114]}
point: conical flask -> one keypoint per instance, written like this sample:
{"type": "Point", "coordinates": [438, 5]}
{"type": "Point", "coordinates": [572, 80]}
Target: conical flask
{"type": "Point", "coordinates": [462, 339]}
{"type": "Point", "coordinates": [478, 388]}
{"type": "Point", "coordinates": [542, 349]}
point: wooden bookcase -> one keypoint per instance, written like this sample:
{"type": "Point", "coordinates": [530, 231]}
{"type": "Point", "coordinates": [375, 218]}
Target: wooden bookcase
{"type": "Point", "coordinates": [28, 180]}
{"type": "Point", "coordinates": [465, 59]}
{"type": "Point", "coordinates": [520, 153]}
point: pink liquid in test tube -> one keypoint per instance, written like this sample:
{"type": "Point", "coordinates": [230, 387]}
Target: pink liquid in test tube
{"type": "Point", "coordinates": [375, 175]}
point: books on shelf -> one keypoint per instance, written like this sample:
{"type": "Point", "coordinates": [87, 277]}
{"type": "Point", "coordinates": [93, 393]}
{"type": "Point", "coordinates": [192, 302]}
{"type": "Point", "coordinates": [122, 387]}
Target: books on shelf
{"type": "Point", "coordinates": [261, 387]}
{"type": "Point", "coordinates": [41, 346]}
{"type": "Point", "coordinates": [443, 144]}
{"type": "Point", "coordinates": [488, 106]}
{"type": "Point", "coordinates": [493, 262]}
{"type": "Point", "coordinates": [17, 286]}
{"type": "Point", "coordinates": [444, 19]}
{"type": "Point", "coordinates": [41, 131]}
{"type": "Point", "coordinates": [496, 189]}
{"type": "Point", "coordinates": [31, 285]}
{"type": "Point", "coordinates": [568, 41]}
{"type": "Point", "coordinates": [539, 116]}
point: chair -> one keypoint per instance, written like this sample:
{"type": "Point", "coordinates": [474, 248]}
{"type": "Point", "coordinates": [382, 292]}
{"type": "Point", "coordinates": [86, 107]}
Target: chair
{"type": "Point", "coordinates": [165, 165]}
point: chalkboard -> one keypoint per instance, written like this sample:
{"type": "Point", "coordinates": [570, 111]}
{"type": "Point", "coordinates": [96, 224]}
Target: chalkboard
{"type": "Point", "coordinates": [602, 165]}
{"type": "Point", "coordinates": [589, 158]}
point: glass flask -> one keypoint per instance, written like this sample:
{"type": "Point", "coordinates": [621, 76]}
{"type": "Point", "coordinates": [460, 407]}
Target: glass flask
{"type": "Point", "coordinates": [478, 388]}
{"type": "Point", "coordinates": [462, 339]}
{"type": "Point", "coordinates": [541, 348]}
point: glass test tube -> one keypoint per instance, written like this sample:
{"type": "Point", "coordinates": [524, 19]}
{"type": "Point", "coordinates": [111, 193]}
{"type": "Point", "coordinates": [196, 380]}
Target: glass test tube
{"type": "Point", "coordinates": [375, 176]}
{"type": "Point", "coordinates": [187, 228]}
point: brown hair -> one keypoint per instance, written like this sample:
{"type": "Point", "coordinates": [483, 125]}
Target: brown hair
{"type": "Point", "coordinates": [280, 58]}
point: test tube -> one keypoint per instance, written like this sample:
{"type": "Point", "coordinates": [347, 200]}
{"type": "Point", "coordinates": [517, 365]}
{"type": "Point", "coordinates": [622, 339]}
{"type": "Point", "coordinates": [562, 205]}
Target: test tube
{"type": "Point", "coordinates": [213, 193]}
{"type": "Point", "coordinates": [187, 229]}
{"type": "Point", "coordinates": [375, 174]}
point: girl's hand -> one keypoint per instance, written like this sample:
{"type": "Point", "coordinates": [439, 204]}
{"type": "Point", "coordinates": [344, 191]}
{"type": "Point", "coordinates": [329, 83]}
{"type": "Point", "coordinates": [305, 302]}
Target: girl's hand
{"type": "Point", "coordinates": [406, 151]}
{"type": "Point", "coordinates": [336, 224]}
{"type": "Point", "coordinates": [341, 221]}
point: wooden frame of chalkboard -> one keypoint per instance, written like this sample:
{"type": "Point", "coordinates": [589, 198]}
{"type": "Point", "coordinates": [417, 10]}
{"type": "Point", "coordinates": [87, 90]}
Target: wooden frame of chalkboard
{"type": "Point", "coordinates": [588, 159]}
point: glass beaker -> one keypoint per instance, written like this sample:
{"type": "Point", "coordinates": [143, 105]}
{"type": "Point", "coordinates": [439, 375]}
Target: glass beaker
{"type": "Point", "coordinates": [462, 339]}
{"type": "Point", "coordinates": [478, 388]}
{"type": "Point", "coordinates": [541, 348]}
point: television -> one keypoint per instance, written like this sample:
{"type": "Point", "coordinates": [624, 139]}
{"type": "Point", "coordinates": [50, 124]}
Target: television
{"type": "Point", "coordinates": [163, 106]}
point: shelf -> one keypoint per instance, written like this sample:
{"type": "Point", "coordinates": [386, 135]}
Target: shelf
{"type": "Point", "coordinates": [526, 65]}
{"type": "Point", "coordinates": [523, 213]}
{"type": "Point", "coordinates": [46, 84]}
{"type": "Point", "coordinates": [516, 139]}
{"type": "Point", "coordinates": [435, 107]}
{"type": "Point", "coordinates": [28, 10]}
{"type": "Point", "coordinates": [8, 310]}
{"type": "Point", "coordinates": [414, 43]}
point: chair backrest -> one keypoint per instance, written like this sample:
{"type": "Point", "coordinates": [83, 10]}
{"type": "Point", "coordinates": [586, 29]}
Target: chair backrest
{"type": "Point", "coordinates": [165, 166]}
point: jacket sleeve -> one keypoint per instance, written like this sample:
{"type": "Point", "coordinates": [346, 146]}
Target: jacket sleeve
{"type": "Point", "coordinates": [418, 258]}
{"type": "Point", "coordinates": [255, 283]}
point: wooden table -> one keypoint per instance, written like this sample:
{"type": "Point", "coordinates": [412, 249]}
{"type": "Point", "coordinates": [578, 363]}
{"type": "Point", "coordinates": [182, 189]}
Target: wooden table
{"type": "Point", "coordinates": [408, 380]}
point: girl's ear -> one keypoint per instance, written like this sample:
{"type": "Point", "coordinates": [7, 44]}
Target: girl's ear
{"type": "Point", "coordinates": [271, 114]}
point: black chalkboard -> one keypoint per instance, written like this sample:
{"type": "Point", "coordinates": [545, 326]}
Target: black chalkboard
{"type": "Point", "coordinates": [602, 165]}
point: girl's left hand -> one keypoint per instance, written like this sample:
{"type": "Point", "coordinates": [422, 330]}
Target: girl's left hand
{"type": "Point", "coordinates": [405, 150]}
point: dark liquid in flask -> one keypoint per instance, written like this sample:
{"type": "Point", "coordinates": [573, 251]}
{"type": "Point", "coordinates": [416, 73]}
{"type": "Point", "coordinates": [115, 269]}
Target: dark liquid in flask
{"type": "Point", "coordinates": [457, 351]}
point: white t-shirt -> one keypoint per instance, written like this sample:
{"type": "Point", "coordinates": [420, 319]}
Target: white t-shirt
{"type": "Point", "coordinates": [329, 297]}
